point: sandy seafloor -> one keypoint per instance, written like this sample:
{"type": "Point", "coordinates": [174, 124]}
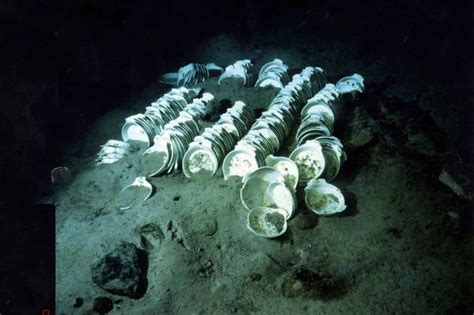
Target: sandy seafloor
{"type": "Point", "coordinates": [394, 250]}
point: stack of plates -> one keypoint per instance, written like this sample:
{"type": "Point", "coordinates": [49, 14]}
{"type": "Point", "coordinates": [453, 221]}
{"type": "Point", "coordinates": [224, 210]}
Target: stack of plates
{"type": "Point", "coordinates": [144, 127]}
{"type": "Point", "coordinates": [241, 73]}
{"type": "Point", "coordinates": [112, 151]}
{"type": "Point", "coordinates": [334, 155]}
{"type": "Point", "coordinates": [270, 131]}
{"type": "Point", "coordinates": [171, 144]}
{"type": "Point", "coordinates": [317, 121]}
{"type": "Point", "coordinates": [193, 74]}
{"type": "Point", "coordinates": [269, 200]}
{"type": "Point", "coordinates": [351, 85]}
{"type": "Point", "coordinates": [207, 150]}
{"type": "Point", "coordinates": [274, 73]}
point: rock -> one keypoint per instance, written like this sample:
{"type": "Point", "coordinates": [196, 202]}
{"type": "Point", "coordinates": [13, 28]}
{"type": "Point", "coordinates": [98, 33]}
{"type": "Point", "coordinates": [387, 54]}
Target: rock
{"type": "Point", "coordinates": [103, 305]}
{"type": "Point", "coordinates": [304, 221]}
{"type": "Point", "coordinates": [361, 129]}
{"type": "Point", "coordinates": [122, 271]}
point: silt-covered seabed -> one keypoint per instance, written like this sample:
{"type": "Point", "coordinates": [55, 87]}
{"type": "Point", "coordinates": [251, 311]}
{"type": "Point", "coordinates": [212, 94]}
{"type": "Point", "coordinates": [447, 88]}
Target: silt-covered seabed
{"type": "Point", "coordinates": [398, 248]}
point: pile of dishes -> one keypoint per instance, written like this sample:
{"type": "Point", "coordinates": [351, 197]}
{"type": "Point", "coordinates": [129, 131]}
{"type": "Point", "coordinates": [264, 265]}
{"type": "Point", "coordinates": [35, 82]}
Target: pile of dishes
{"type": "Point", "coordinates": [351, 85]}
{"type": "Point", "coordinates": [241, 73]}
{"type": "Point", "coordinates": [170, 145]}
{"type": "Point", "coordinates": [113, 151]}
{"type": "Point", "coordinates": [144, 127]}
{"type": "Point", "coordinates": [191, 74]}
{"type": "Point", "coordinates": [274, 73]}
{"type": "Point", "coordinates": [207, 150]}
{"type": "Point", "coordinates": [269, 132]}
{"type": "Point", "coordinates": [269, 200]}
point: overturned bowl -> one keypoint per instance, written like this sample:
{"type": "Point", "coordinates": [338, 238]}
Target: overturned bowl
{"type": "Point", "coordinates": [267, 222]}
{"type": "Point", "coordinates": [323, 198]}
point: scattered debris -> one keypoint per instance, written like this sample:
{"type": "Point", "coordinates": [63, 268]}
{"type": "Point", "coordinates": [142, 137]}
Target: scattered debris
{"type": "Point", "coordinates": [151, 236]}
{"type": "Point", "coordinates": [122, 271]}
{"type": "Point", "coordinates": [207, 269]}
{"type": "Point", "coordinates": [176, 235]}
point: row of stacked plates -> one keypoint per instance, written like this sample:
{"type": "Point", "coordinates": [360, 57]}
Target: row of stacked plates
{"type": "Point", "coordinates": [169, 147]}
{"type": "Point", "coordinates": [319, 154]}
{"type": "Point", "coordinates": [269, 132]}
{"type": "Point", "coordinates": [113, 151]}
{"type": "Point", "coordinates": [241, 73]}
{"type": "Point", "coordinates": [207, 150]}
{"type": "Point", "coordinates": [273, 73]}
{"type": "Point", "coordinates": [144, 127]}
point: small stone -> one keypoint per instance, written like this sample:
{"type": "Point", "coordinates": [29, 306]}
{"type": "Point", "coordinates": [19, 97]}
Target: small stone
{"type": "Point", "coordinates": [103, 305]}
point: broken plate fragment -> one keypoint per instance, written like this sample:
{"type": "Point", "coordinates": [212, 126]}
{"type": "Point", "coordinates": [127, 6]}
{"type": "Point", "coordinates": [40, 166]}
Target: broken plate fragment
{"type": "Point", "coordinates": [135, 193]}
{"type": "Point", "coordinates": [267, 222]}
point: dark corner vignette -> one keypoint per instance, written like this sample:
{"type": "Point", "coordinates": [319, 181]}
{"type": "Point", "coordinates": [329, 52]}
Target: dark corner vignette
{"type": "Point", "coordinates": [27, 265]}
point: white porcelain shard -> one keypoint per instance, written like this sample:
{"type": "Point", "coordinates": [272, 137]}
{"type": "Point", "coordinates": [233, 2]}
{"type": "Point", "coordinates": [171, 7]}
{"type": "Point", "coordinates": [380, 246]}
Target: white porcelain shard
{"type": "Point", "coordinates": [191, 74]}
{"type": "Point", "coordinates": [267, 222]}
{"type": "Point", "coordinates": [113, 151]}
{"type": "Point", "coordinates": [135, 193]}
{"type": "Point", "coordinates": [323, 198]}
{"type": "Point", "coordinates": [351, 85]}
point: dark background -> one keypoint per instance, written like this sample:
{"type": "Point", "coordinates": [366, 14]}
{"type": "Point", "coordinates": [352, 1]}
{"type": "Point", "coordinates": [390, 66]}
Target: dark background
{"type": "Point", "coordinates": [65, 63]}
